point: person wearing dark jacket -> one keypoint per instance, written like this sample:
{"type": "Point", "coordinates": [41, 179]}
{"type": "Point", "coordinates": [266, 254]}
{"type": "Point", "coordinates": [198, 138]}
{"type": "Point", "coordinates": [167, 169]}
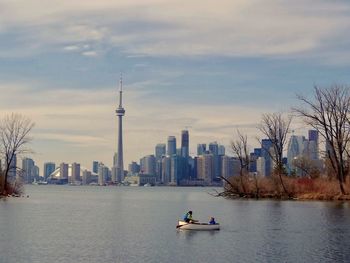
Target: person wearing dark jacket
{"type": "Point", "coordinates": [188, 217]}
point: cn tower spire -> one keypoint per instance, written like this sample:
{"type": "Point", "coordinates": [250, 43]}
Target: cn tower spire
{"type": "Point", "coordinates": [120, 113]}
{"type": "Point", "coordinates": [121, 91]}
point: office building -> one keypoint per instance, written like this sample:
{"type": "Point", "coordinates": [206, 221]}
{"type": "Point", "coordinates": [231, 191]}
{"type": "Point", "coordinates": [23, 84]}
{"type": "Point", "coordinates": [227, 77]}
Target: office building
{"type": "Point", "coordinates": [95, 167]}
{"type": "Point", "coordinates": [260, 166]}
{"type": "Point", "coordinates": [86, 178]}
{"type": "Point", "coordinates": [49, 168]}
{"type": "Point", "coordinates": [171, 145]}
{"type": "Point", "coordinates": [148, 165]}
{"type": "Point", "coordinates": [205, 168]}
{"type": "Point", "coordinates": [63, 172]}
{"type": "Point", "coordinates": [75, 177]}
{"type": "Point", "coordinates": [28, 169]}
{"type": "Point", "coordinates": [185, 142]}
{"type": "Point", "coordinates": [201, 149]}
{"type": "Point", "coordinates": [266, 150]}
{"type": "Point", "coordinates": [134, 168]}
{"type": "Point", "coordinates": [160, 150]}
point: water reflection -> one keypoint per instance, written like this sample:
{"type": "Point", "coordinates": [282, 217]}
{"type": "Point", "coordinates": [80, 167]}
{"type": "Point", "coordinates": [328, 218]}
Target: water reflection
{"type": "Point", "coordinates": [105, 224]}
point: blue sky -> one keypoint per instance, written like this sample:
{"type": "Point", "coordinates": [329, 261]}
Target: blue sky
{"type": "Point", "coordinates": [213, 66]}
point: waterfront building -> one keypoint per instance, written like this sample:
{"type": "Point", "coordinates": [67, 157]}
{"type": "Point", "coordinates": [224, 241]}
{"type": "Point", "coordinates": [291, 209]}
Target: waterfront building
{"type": "Point", "coordinates": [147, 179]}
{"type": "Point", "coordinates": [86, 178]}
{"type": "Point", "coordinates": [95, 167]}
{"type": "Point", "coordinates": [266, 149]}
{"type": "Point", "coordinates": [160, 150]}
{"type": "Point", "coordinates": [36, 171]}
{"type": "Point", "coordinates": [49, 168]}
{"type": "Point", "coordinates": [178, 170]}
{"type": "Point", "coordinates": [221, 150]}
{"type": "Point", "coordinates": [120, 113]}
{"type": "Point", "coordinates": [260, 166]}
{"type": "Point", "coordinates": [28, 170]}
{"type": "Point", "coordinates": [205, 168]}
{"type": "Point", "coordinates": [214, 148]}
{"type": "Point", "coordinates": [227, 166]}
{"type": "Point", "coordinates": [134, 168]}
{"type": "Point", "coordinates": [313, 145]}
{"type": "Point", "coordinates": [171, 145]}
{"type": "Point", "coordinates": [63, 172]}
{"type": "Point", "coordinates": [166, 170]}
{"type": "Point", "coordinates": [75, 177]}
{"type": "Point", "coordinates": [296, 147]}
{"type": "Point", "coordinates": [185, 141]}
{"type": "Point", "coordinates": [201, 149]}
{"type": "Point", "coordinates": [148, 164]}
{"type": "Point", "coordinates": [103, 174]}
{"type": "Point", "coordinates": [114, 175]}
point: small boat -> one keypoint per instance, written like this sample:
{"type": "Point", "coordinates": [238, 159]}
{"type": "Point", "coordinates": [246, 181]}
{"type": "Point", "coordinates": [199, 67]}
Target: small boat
{"type": "Point", "coordinates": [197, 226]}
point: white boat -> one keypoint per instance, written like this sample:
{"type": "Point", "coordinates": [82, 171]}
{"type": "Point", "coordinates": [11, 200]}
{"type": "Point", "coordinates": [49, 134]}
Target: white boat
{"type": "Point", "coordinates": [197, 226]}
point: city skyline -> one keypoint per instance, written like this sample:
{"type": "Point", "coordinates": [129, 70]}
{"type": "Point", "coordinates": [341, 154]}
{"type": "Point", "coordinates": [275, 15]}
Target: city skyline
{"type": "Point", "coordinates": [214, 68]}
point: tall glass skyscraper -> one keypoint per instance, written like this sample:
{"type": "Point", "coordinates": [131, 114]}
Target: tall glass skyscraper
{"type": "Point", "coordinates": [160, 150]}
{"type": "Point", "coordinates": [171, 145]}
{"type": "Point", "coordinates": [266, 145]}
{"type": "Point", "coordinates": [185, 141]}
{"type": "Point", "coordinates": [201, 148]}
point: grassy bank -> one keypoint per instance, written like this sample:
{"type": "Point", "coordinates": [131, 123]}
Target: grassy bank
{"type": "Point", "coordinates": [297, 188]}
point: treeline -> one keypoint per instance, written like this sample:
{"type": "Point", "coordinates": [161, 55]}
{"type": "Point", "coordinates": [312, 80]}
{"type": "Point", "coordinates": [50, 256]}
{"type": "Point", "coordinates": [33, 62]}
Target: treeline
{"type": "Point", "coordinates": [327, 111]}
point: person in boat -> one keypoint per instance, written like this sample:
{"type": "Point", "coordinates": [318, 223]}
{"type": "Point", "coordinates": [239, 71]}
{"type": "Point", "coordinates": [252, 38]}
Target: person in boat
{"type": "Point", "coordinates": [188, 217]}
{"type": "Point", "coordinates": [212, 221]}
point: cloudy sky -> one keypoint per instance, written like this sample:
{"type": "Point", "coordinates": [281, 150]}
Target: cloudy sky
{"type": "Point", "coordinates": [211, 66]}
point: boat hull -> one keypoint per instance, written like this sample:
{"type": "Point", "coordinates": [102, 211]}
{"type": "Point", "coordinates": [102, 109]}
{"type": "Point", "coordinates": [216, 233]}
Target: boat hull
{"type": "Point", "coordinates": [197, 226]}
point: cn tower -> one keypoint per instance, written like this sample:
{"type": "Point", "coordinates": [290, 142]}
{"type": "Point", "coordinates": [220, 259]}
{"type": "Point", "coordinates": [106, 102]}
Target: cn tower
{"type": "Point", "coordinates": [120, 113]}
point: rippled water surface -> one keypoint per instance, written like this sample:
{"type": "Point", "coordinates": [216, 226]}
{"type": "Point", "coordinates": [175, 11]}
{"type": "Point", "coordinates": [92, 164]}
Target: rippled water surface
{"type": "Point", "coordinates": [137, 224]}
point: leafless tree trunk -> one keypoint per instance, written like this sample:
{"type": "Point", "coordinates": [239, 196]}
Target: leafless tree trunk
{"type": "Point", "coordinates": [239, 148]}
{"type": "Point", "coordinates": [328, 113]}
{"type": "Point", "coordinates": [275, 127]}
{"type": "Point", "coordinates": [14, 136]}
{"type": "Point", "coordinates": [307, 166]}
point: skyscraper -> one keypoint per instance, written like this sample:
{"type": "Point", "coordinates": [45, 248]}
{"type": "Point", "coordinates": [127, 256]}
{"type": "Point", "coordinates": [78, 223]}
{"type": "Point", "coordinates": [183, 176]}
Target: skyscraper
{"type": "Point", "coordinates": [201, 148]}
{"type": "Point", "coordinates": [95, 167]}
{"type": "Point", "coordinates": [75, 172]}
{"type": "Point", "coordinates": [28, 170]}
{"type": "Point", "coordinates": [185, 140]}
{"type": "Point", "coordinates": [313, 144]}
{"type": "Point", "coordinates": [266, 145]}
{"type": "Point", "coordinates": [148, 165]}
{"type": "Point", "coordinates": [64, 172]}
{"type": "Point", "coordinates": [160, 150]}
{"type": "Point", "coordinates": [120, 113]}
{"type": "Point", "coordinates": [171, 145]}
{"type": "Point", "coordinates": [49, 168]}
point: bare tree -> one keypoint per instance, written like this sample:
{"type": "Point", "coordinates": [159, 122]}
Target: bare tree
{"type": "Point", "coordinates": [239, 148]}
{"type": "Point", "coordinates": [275, 127]}
{"type": "Point", "coordinates": [328, 113]}
{"type": "Point", "coordinates": [14, 136]}
{"type": "Point", "coordinates": [306, 167]}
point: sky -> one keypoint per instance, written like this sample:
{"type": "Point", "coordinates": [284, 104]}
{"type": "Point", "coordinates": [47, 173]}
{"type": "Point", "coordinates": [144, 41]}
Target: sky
{"type": "Point", "coordinates": [211, 67]}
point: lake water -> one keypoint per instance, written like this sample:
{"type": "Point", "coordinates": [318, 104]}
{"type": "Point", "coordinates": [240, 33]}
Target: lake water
{"type": "Point", "coordinates": [138, 224]}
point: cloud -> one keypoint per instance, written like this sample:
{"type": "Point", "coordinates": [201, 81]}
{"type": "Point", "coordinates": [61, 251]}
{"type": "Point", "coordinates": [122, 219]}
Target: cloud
{"type": "Point", "coordinates": [90, 53]}
{"type": "Point", "coordinates": [172, 28]}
